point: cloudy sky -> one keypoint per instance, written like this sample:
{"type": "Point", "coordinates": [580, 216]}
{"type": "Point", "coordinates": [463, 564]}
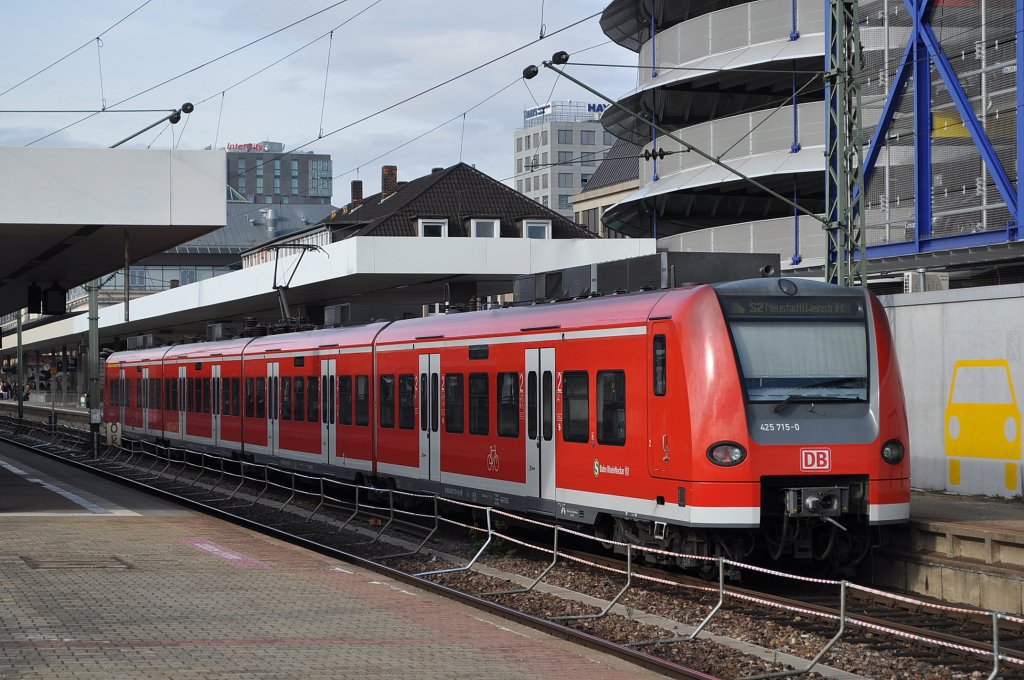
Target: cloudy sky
{"type": "Point", "coordinates": [168, 52]}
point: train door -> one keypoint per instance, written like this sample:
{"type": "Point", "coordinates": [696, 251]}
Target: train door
{"type": "Point", "coordinates": [540, 422]}
{"type": "Point", "coordinates": [182, 401]}
{"type": "Point", "coordinates": [215, 410]}
{"type": "Point", "coordinates": [273, 435]}
{"type": "Point", "coordinates": [659, 415]}
{"type": "Point", "coordinates": [430, 416]}
{"type": "Point", "coordinates": [328, 430]}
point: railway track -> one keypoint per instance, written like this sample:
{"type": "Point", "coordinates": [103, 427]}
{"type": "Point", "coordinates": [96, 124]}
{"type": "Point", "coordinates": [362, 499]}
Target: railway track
{"type": "Point", "coordinates": [953, 639]}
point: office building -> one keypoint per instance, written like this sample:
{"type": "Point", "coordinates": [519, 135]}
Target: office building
{"type": "Point", "coordinates": [558, 150]}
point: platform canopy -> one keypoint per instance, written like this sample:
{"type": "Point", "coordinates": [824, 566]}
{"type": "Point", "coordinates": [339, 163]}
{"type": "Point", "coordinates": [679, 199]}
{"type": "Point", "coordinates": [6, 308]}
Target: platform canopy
{"type": "Point", "coordinates": [71, 215]}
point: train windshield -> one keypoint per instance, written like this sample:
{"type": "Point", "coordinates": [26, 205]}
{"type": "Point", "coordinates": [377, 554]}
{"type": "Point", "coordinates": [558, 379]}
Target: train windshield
{"type": "Point", "coordinates": [800, 349]}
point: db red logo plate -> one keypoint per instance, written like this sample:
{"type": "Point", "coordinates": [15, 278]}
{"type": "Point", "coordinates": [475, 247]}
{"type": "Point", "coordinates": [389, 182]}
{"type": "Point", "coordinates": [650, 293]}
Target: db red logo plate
{"type": "Point", "coordinates": [815, 459]}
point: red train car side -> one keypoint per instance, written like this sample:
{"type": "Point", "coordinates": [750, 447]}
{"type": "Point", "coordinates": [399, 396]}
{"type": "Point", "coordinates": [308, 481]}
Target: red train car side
{"type": "Point", "coordinates": [769, 411]}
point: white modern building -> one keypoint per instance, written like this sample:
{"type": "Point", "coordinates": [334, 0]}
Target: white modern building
{"type": "Point", "coordinates": [558, 150]}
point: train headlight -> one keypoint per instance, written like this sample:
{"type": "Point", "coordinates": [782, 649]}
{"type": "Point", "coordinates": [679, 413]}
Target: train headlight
{"type": "Point", "coordinates": [727, 454]}
{"type": "Point", "coordinates": [892, 452]}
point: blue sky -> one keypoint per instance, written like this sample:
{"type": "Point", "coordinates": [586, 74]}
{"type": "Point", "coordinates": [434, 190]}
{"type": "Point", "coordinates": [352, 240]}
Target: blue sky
{"type": "Point", "coordinates": [392, 50]}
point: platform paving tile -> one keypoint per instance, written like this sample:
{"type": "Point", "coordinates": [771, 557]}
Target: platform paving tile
{"type": "Point", "coordinates": [192, 597]}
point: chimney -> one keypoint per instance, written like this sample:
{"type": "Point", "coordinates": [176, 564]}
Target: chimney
{"type": "Point", "coordinates": [388, 180]}
{"type": "Point", "coordinates": [357, 192]}
{"type": "Point", "coordinates": [433, 170]}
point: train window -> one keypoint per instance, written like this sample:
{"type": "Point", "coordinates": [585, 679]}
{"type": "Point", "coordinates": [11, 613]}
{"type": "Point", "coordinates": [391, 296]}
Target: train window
{"type": "Point", "coordinates": [531, 405]}
{"type": "Point", "coordinates": [435, 402]}
{"type": "Point", "coordinates": [547, 390]}
{"type": "Point", "coordinates": [407, 401]}
{"type": "Point", "coordinates": [299, 407]}
{"type": "Point", "coordinates": [190, 395]}
{"type": "Point", "coordinates": [286, 398]}
{"type": "Point", "coordinates": [479, 403]}
{"type": "Point", "coordinates": [387, 401]}
{"type": "Point", "coordinates": [660, 355]}
{"type": "Point", "coordinates": [362, 400]}
{"type": "Point", "coordinates": [327, 392]}
{"type": "Point", "coordinates": [508, 404]}
{"type": "Point", "coordinates": [206, 395]}
{"type": "Point", "coordinates": [157, 394]}
{"type": "Point", "coordinates": [312, 399]}
{"type": "Point", "coordinates": [235, 384]}
{"type": "Point", "coordinates": [272, 397]}
{"type": "Point", "coordinates": [331, 392]}
{"type": "Point", "coordinates": [611, 407]}
{"type": "Point", "coordinates": [299, 362]}
{"type": "Point", "coordinates": [424, 411]}
{"type": "Point", "coordinates": [261, 397]}
{"type": "Point", "coordinates": [167, 394]}
{"type": "Point", "coordinates": [224, 386]}
{"type": "Point", "coordinates": [575, 406]}
{"type": "Point", "coordinates": [250, 397]}
{"type": "Point", "coordinates": [345, 399]}
{"type": "Point", "coordinates": [175, 404]}
{"type": "Point", "coordinates": [140, 392]}
{"type": "Point", "coordinates": [454, 403]}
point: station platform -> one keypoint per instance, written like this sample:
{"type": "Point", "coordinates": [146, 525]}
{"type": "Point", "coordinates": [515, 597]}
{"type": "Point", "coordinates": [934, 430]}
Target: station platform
{"type": "Point", "coordinates": [101, 581]}
{"type": "Point", "coordinates": [963, 549]}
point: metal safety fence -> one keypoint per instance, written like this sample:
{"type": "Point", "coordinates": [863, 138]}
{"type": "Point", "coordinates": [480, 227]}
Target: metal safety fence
{"type": "Point", "coordinates": [235, 485]}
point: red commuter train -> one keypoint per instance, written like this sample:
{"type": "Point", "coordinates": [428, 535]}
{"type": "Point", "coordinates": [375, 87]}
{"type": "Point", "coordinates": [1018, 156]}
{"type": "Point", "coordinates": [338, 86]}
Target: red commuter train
{"type": "Point", "coordinates": [762, 415]}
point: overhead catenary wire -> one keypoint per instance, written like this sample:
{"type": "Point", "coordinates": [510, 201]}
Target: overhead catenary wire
{"type": "Point", "coordinates": [196, 68]}
{"type": "Point", "coordinates": [427, 132]}
{"type": "Point", "coordinates": [74, 51]}
{"type": "Point", "coordinates": [432, 88]}
{"type": "Point", "coordinates": [327, 73]}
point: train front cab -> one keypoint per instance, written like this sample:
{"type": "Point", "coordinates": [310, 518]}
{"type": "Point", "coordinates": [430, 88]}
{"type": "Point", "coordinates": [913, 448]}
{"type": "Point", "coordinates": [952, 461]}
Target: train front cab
{"type": "Point", "coordinates": [825, 451]}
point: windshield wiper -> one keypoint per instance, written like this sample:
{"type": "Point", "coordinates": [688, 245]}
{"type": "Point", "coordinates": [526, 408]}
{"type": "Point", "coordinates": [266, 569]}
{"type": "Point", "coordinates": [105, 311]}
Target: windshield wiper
{"type": "Point", "coordinates": [809, 398]}
{"type": "Point", "coordinates": [838, 382]}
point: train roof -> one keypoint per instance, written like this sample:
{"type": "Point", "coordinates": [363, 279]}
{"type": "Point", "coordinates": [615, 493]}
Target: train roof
{"type": "Point", "coordinates": [597, 312]}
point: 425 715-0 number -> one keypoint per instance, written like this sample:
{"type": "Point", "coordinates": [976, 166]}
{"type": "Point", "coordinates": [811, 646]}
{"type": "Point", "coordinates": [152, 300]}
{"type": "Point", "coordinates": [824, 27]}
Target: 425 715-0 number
{"type": "Point", "coordinates": [780, 427]}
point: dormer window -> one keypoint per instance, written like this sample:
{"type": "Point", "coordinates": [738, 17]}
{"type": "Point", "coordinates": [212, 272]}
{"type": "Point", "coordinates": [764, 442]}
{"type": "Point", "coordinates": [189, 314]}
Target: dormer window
{"type": "Point", "coordinates": [485, 228]}
{"type": "Point", "coordinates": [540, 229]}
{"type": "Point", "coordinates": [432, 228]}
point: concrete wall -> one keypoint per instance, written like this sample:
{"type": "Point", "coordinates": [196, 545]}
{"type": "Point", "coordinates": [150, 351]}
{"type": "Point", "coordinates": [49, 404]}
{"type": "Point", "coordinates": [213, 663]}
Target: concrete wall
{"type": "Point", "coordinates": [960, 354]}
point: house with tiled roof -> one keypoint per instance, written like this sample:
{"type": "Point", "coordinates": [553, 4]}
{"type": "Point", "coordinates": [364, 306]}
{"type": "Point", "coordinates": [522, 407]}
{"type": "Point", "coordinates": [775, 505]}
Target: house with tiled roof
{"type": "Point", "coordinates": [617, 177]}
{"type": "Point", "coordinates": [454, 202]}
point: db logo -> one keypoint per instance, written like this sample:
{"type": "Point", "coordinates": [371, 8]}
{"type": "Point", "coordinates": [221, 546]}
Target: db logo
{"type": "Point", "coordinates": [815, 459]}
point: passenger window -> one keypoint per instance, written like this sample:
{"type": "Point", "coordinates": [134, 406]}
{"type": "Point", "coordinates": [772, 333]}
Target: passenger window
{"type": "Point", "coordinates": [261, 397]}
{"type": "Point", "coordinates": [362, 400]}
{"type": "Point", "coordinates": [250, 397]}
{"type": "Point", "coordinates": [576, 406]}
{"type": "Point", "coordinates": [508, 404]}
{"type": "Point", "coordinates": [190, 390]}
{"type": "Point", "coordinates": [312, 399]}
{"type": "Point", "coordinates": [407, 401]}
{"type": "Point", "coordinates": [286, 398]}
{"type": "Point", "coordinates": [299, 408]}
{"type": "Point", "coordinates": [454, 403]}
{"type": "Point", "coordinates": [387, 401]}
{"type": "Point", "coordinates": [234, 396]}
{"type": "Point", "coordinates": [424, 406]}
{"type": "Point", "coordinates": [225, 396]}
{"type": "Point", "coordinates": [531, 405]}
{"type": "Point", "coordinates": [611, 407]}
{"type": "Point", "coordinates": [435, 403]}
{"type": "Point", "coordinates": [206, 394]}
{"type": "Point", "coordinates": [345, 399]}
{"type": "Point", "coordinates": [479, 403]}
{"type": "Point", "coordinates": [660, 352]}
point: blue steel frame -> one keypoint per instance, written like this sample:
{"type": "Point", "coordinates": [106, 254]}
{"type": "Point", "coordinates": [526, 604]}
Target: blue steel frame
{"type": "Point", "coordinates": [923, 49]}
